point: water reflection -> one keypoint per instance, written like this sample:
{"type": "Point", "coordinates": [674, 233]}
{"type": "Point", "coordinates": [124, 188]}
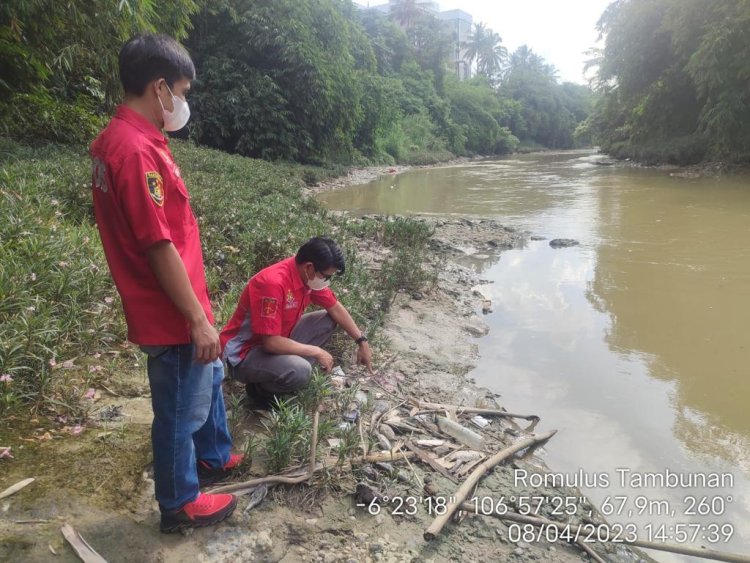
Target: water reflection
{"type": "Point", "coordinates": [634, 344]}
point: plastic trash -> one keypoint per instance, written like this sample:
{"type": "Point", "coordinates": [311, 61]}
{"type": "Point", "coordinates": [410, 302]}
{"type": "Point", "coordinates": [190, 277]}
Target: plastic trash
{"type": "Point", "coordinates": [461, 433]}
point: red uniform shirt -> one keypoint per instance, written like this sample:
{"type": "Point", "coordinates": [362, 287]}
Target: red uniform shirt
{"type": "Point", "coordinates": [139, 200]}
{"type": "Point", "coordinates": [271, 304]}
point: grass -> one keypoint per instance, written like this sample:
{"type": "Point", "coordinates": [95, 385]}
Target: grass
{"type": "Point", "coordinates": [61, 325]}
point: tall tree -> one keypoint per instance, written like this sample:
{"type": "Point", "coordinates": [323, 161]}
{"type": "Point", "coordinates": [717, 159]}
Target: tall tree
{"type": "Point", "coordinates": [486, 47]}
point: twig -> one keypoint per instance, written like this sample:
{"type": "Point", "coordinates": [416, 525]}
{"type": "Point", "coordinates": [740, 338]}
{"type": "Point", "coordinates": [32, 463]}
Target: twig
{"type": "Point", "coordinates": [579, 530]}
{"type": "Point", "coordinates": [455, 501]}
{"type": "Point", "coordinates": [38, 521]}
{"type": "Point", "coordinates": [83, 550]}
{"type": "Point", "coordinates": [313, 443]}
{"type": "Point", "coordinates": [13, 489]}
{"type": "Point", "coordinates": [421, 454]}
{"type": "Point", "coordinates": [406, 459]}
{"type": "Point", "coordinates": [591, 553]}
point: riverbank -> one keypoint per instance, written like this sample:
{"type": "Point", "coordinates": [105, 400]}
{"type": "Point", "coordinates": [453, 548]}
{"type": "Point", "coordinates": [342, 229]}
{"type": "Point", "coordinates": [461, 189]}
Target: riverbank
{"type": "Point", "coordinates": [92, 464]}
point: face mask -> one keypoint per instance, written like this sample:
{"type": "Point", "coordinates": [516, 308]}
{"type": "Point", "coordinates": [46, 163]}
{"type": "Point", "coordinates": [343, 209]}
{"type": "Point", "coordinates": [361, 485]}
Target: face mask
{"type": "Point", "coordinates": [178, 118]}
{"type": "Point", "coordinates": [317, 283]}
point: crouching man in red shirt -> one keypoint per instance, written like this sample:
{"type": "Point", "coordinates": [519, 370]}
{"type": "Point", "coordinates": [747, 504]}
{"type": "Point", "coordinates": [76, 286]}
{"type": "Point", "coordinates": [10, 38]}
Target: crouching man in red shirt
{"type": "Point", "coordinates": [152, 244]}
{"type": "Point", "coordinates": [268, 343]}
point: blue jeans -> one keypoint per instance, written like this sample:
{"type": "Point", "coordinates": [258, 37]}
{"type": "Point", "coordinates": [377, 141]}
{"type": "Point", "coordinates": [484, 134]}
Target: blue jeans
{"type": "Point", "coordinates": [190, 422]}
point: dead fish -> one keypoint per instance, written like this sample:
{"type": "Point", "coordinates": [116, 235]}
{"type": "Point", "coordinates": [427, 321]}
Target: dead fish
{"type": "Point", "coordinates": [256, 498]}
{"type": "Point", "coordinates": [465, 455]}
{"type": "Point", "coordinates": [387, 431]}
{"type": "Point", "coordinates": [385, 444]}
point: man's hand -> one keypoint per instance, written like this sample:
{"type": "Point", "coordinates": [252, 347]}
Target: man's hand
{"type": "Point", "coordinates": [364, 356]}
{"type": "Point", "coordinates": [324, 359]}
{"type": "Point", "coordinates": [206, 341]}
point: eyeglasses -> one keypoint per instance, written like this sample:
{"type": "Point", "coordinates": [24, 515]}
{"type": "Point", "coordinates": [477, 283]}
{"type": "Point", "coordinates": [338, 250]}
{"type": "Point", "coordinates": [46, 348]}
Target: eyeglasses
{"type": "Point", "coordinates": [325, 277]}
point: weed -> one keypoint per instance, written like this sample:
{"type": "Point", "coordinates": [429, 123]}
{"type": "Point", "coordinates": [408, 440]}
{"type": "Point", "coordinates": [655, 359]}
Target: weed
{"type": "Point", "coordinates": [288, 435]}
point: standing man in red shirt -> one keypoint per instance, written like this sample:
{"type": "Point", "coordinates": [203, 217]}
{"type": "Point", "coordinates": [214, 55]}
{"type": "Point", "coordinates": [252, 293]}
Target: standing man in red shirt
{"type": "Point", "coordinates": [152, 244]}
{"type": "Point", "coordinates": [268, 343]}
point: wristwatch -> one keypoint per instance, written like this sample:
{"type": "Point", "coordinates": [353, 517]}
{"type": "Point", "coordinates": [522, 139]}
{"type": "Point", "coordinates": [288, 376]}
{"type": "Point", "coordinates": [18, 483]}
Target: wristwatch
{"type": "Point", "coordinates": [361, 339]}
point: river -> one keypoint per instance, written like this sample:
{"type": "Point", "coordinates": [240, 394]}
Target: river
{"type": "Point", "coordinates": [634, 344]}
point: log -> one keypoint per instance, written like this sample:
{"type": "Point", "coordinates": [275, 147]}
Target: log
{"type": "Point", "coordinates": [13, 489]}
{"type": "Point", "coordinates": [83, 550]}
{"type": "Point", "coordinates": [464, 490]}
{"type": "Point", "coordinates": [671, 548]}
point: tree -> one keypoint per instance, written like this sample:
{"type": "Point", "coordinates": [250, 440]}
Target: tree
{"type": "Point", "coordinates": [485, 46]}
{"type": "Point", "coordinates": [675, 80]}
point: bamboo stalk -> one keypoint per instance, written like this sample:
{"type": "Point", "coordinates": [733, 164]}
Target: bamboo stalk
{"type": "Point", "coordinates": [574, 530]}
{"type": "Point", "coordinates": [458, 498]}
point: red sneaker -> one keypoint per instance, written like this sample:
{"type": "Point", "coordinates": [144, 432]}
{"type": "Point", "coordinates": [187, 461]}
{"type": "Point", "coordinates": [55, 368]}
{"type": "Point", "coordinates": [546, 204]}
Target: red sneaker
{"type": "Point", "coordinates": [208, 475]}
{"type": "Point", "coordinates": [203, 511]}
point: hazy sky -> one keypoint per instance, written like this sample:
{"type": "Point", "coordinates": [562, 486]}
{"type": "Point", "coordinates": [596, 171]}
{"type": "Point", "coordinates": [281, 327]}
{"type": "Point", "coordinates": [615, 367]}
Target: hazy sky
{"type": "Point", "coordinates": [558, 30]}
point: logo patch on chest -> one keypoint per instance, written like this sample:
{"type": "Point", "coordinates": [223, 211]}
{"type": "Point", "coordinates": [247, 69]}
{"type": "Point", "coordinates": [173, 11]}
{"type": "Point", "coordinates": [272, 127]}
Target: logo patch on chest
{"type": "Point", "coordinates": [291, 302]}
{"type": "Point", "coordinates": [155, 187]}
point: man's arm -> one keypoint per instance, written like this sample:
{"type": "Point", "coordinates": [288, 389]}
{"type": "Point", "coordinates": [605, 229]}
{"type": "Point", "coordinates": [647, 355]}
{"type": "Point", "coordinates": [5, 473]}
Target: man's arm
{"type": "Point", "coordinates": [167, 266]}
{"type": "Point", "coordinates": [274, 344]}
{"type": "Point", "coordinates": [342, 318]}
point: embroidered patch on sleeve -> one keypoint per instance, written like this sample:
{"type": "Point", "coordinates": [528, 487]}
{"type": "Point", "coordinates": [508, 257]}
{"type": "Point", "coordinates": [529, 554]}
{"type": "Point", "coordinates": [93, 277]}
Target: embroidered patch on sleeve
{"type": "Point", "coordinates": [268, 307]}
{"type": "Point", "coordinates": [155, 187]}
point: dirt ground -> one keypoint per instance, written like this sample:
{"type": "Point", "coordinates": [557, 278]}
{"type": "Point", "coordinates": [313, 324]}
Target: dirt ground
{"type": "Point", "coordinates": [99, 483]}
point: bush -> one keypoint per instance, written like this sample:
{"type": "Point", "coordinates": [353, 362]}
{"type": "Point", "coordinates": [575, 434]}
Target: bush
{"type": "Point", "coordinates": [39, 117]}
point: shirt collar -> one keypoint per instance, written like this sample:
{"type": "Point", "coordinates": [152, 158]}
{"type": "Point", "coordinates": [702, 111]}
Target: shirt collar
{"type": "Point", "coordinates": [138, 121]}
{"type": "Point", "coordinates": [297, 282]}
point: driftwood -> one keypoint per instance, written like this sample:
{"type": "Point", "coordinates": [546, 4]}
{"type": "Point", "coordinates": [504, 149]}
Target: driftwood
{"type": "Point", "coordinates": [427, 408]}
{"type": "Point", "coordinates": [13, 489]}
{"type": "Point", "coordinates": [83, 550]}
{"type": "Point", "coordinates": [671, 548]}
{"type": "Point", "coordinates": [421, 454]}
{"type": "Point", "coordinates": [455, 501]}
{"type": "Point", "coordinates": [295, 477]}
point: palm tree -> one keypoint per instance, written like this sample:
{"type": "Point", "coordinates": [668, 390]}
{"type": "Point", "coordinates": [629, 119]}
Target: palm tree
{"type": "Point", "coordinates": [486, 47]}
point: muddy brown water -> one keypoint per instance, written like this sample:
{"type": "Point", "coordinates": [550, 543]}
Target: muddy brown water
{"type": "Point", "coordinates": [635, 344]}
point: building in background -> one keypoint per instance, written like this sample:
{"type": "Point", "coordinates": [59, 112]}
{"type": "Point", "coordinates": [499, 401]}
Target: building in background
{"type": "Point", "coordinates": [458, 23]}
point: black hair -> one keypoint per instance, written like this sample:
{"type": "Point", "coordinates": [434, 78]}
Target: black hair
{"type": "Point", "coordinates": [323, 252]}
{"type": "Point", "coordinates": [150, 56]}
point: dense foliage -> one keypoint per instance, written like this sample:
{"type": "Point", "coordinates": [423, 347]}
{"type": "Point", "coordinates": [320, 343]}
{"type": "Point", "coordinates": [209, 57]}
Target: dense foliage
{"type": "Point", "coordinates": [303, 80]}
{"type": "Point", "coordinates": [675, 80]}
{"type": "Point", "coordinates": [58, 61]}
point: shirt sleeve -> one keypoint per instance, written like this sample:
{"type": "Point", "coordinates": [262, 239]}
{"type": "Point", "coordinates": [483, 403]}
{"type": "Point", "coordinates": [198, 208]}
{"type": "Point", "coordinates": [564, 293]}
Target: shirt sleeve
{"type": "Point", "coordinates": [324, 298]}
{"type": "Point", "coordinates": [140, 192]}
{"type": "Point", "coordinates": [266, 300]}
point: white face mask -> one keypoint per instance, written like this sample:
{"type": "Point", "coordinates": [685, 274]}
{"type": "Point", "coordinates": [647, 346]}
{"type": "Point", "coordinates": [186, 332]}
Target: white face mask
{"type": "Point", "coordinates": [177, 118]}
{"type": "Point", "coordinates": [317, 283]}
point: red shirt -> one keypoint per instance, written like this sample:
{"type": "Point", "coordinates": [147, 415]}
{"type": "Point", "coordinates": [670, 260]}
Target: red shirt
{"type": "Point", "coordinates": [271, 304]}
{"type": "Point", "coordinates": [140, 199]}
